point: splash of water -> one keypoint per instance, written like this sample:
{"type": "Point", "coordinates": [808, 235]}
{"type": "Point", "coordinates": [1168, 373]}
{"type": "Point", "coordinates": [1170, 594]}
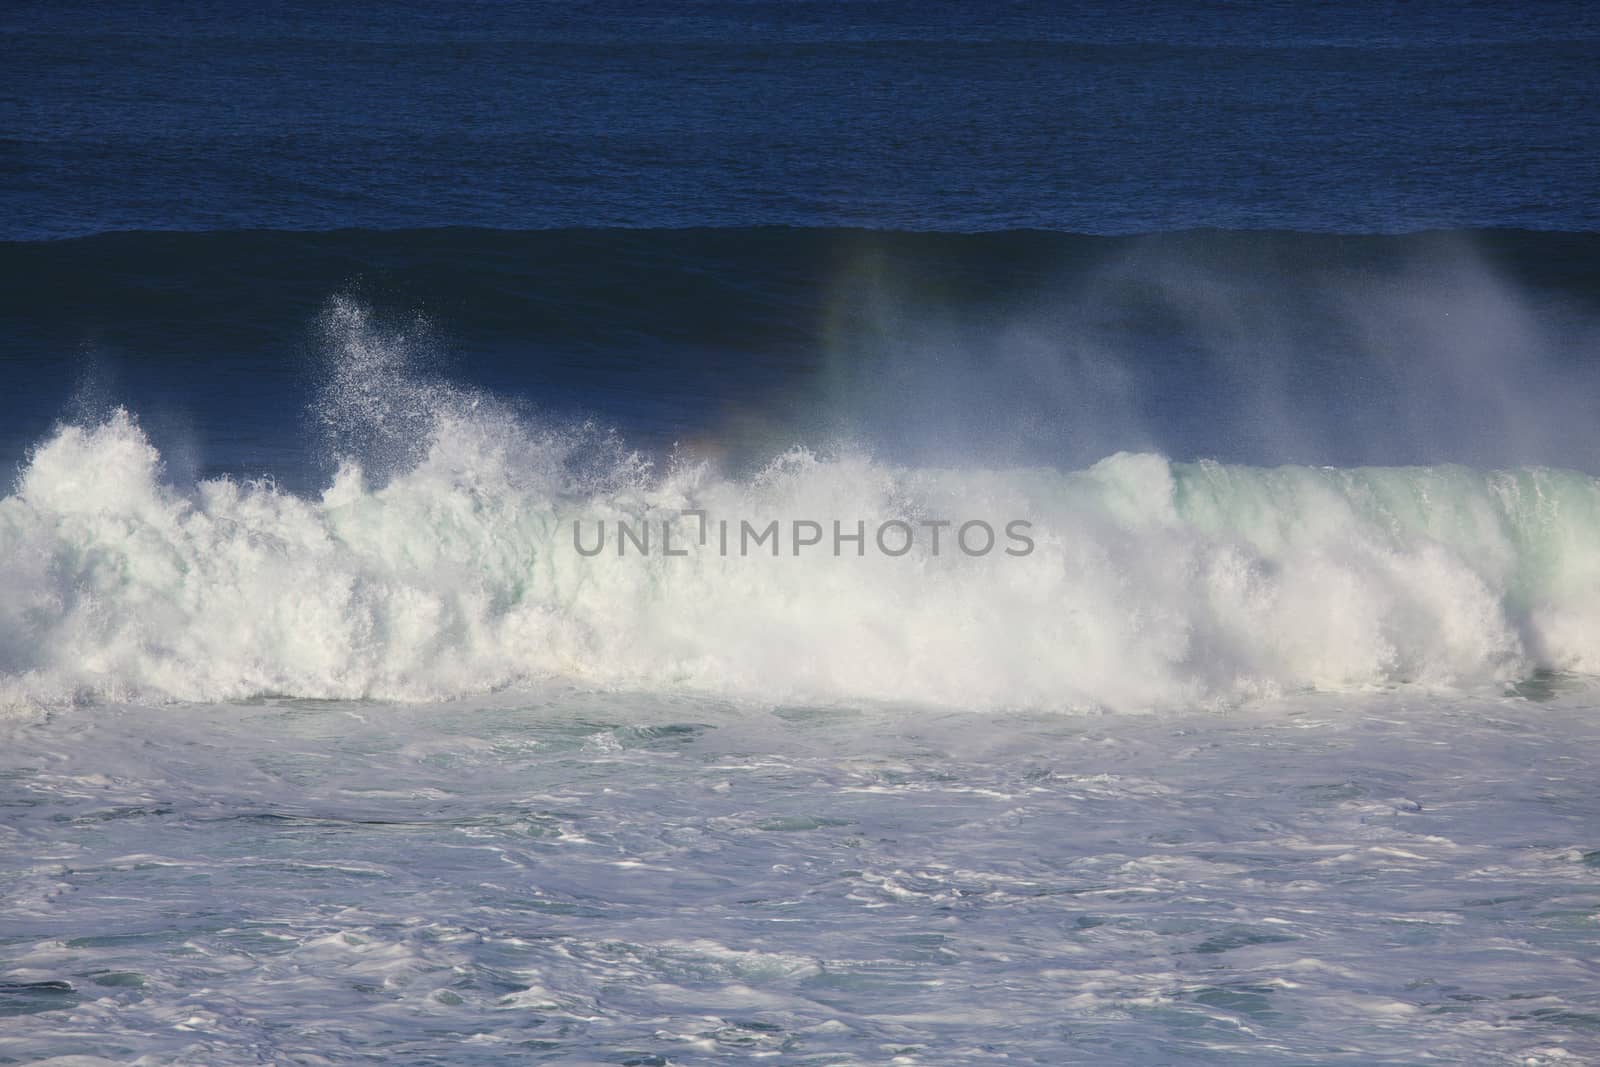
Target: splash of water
{"type": "Point", "coordinates": [1149, 582]}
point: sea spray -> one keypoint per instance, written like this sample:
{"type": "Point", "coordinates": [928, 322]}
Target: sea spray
{"type": "Point", "coordinates": [1151, 582]}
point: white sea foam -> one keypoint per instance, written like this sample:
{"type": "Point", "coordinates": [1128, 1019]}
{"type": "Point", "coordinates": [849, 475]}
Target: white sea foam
{"type": "Point", "coordinates": [1150, 582]}
{"type": "Point", "coordinates": [1321, 878]}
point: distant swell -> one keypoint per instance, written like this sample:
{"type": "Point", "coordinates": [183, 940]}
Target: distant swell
{"type": "Point", "coordinates": [574, 279]}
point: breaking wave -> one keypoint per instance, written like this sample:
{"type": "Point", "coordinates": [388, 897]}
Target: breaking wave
{"type": "Point", "coordinates": [444, 562]}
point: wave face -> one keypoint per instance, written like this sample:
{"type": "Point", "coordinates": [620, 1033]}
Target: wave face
{"type": "Point", "coordinates": [1150, 582]}
{"type": "Point", "coordinates": [936, 349]}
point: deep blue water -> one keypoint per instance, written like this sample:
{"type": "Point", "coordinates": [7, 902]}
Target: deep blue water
{"type": "Point", "coordinates": [1098, 117]}
{"type": "Point", "coordinates": [699, 179]}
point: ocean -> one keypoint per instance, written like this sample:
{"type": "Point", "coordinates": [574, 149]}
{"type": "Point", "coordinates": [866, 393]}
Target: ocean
{"type": "Point", "coordinates": [830, 533]}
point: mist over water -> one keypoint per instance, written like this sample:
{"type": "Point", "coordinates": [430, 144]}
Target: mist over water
{"type": "Point", "coordinates": [1252, 349]}
{"type": "Point", "coordinates": [440, 558]}
{"type": "Point", "coordinates": [996, 350]}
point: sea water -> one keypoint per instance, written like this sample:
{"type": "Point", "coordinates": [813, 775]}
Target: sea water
{"type": "Point", "coordinates": [1263, 341]}
{"type": "Point", "coordinates": [1231, 765]}
{"type": "Point", "coordinates": [582, 876]}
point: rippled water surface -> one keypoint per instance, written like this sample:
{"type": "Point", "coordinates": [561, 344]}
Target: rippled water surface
{"type": "Point", "coordinates": [581, 878]}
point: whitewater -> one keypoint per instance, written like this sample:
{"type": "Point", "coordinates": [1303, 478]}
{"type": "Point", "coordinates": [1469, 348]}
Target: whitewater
{"type": "Point", "coordinates": [1146, 583]}
{"type": "Point", "coordinates": [576, 875]}
{"type": "Point", "coordinates": [1233, 764]}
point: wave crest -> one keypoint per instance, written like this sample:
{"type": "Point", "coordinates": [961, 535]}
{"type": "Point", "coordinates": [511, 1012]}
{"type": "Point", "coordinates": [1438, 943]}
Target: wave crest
{"type": "Point", "coordinates": [1150, 583]}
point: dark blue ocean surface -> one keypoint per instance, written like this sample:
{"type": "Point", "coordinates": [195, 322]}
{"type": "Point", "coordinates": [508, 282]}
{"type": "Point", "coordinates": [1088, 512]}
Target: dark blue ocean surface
{"type": "Point", "coordinates": [744, 221]}
{"type": "Point", "coordinates": [1099, 117]}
